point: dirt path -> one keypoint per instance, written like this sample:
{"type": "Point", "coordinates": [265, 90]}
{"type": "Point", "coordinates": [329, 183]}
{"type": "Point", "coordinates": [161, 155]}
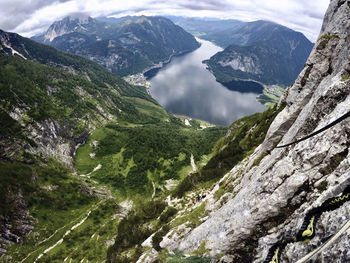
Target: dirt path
{"type": "Point", "coordinates": [65, 234]}
{"type": "Point", "coordinates": [43, 241]}
{"type": "Point", "coordinates": [98, 167]}
{"type": "Point", "coordinates": [193, 164]}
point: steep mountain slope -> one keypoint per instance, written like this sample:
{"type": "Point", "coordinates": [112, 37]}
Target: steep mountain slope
{"type": "Point", "coordinates": [50, 102]}
{"type": "Point", "coordinates": [45, 90]}
{"type": "Point", "coordinates": [128, 46]}
{"type": "Point", "coordinates": [263, 201]}
{"type": "Point", "coordinates": [254, 213]}
{"type": "Point", "coordinates": [149, 221]}
{"type": "Point", "coordinates": [260, 51]}
{"type": "Point", "coordinates": [247, 33]}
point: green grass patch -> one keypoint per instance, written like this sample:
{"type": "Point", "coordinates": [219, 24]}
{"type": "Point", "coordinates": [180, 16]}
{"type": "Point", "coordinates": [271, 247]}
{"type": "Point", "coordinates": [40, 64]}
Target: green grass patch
{"type": "Point", "coordinates": [54, 199]}
{"type": "Point", "coordinates": [185, 171]}
{"type": "Point", "coordinates": [180, 258]}
{"type": "Point", "coordinates": [191, 219]}
{"type": "Point", "coordinates": [201, 250]}
{"type": "Point", "coordinates": [258, 160]}
{"type": "Point", "coordinates": [329, 36]}
{"type": "Point", "coordinates": [134, 158]}
{"type": "Point", "coordinates": [345, 77]}
{"type": "Point", "coordinates": [89, 241]}
{"type": "Point", "coordinates": [148, 108]}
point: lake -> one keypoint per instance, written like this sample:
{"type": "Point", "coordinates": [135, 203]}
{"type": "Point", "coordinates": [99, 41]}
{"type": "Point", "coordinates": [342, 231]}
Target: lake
{"type": "Point", "coordinates": [186, 87]}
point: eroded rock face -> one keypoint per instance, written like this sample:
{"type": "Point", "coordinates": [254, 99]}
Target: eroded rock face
{"type": "Point", "coordinates": [271, 199]}
{"type": "Point", "coordinates": [242, 63]}
{"type": "Point", "coordinates": [17, 222]}
{"type": "Point", "coordinates": [48, 138]}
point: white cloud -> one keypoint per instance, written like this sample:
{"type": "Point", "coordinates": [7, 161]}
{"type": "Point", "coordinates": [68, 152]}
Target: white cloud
{"type": "Point", "coordinates": [29, 17]}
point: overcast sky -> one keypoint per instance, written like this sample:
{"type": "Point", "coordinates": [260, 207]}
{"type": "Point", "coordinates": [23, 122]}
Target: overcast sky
{"type": "Point", "coordinates": [30, 17]}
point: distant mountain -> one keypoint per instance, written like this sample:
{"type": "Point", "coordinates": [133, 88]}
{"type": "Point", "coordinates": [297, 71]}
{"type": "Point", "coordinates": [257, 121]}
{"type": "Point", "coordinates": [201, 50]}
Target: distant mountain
{"type": "Point", "coordinates": [259, 51]}
{"type": "Point", "coordinates": [205, 26]}
{"type": "Point", "coordinates": [247, 33]}
{"type": "Point", "coordinates": [69, 25]}
{"type": "Point", "coordinates": [125, 45]}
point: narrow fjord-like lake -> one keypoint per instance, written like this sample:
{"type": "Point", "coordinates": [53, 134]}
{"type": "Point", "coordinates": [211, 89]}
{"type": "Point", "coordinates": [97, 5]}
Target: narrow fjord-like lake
{"type": "Point", "coordinates": [186, 87]}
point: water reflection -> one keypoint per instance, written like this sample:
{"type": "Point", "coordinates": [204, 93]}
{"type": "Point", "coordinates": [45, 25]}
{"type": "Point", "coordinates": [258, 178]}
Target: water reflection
{"type": "Point", "coordinates": [186, 87]}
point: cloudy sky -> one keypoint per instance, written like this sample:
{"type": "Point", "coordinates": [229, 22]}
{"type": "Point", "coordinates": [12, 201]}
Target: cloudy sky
{"type": "Point", "coordinates": [30, 17]}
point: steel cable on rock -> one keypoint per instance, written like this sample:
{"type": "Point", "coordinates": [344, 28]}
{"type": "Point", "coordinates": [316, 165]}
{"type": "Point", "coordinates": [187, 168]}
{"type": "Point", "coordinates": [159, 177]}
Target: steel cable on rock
{"type": "Point", "coordinates": [346, 115]}
{"type": "Point", "coordinates": [308, 228]}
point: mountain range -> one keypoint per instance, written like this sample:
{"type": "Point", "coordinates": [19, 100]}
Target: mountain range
{"type": "Point", "coordinates": [125, 46]}
{"type": "Point", "coordinates": [262, 52]}
{"type": "Point", "coordinates": [259, 51]}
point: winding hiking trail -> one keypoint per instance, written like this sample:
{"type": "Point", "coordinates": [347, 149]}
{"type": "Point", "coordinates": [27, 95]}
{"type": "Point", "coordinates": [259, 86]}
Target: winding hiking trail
{"type": "Point", "coordinates": [41, 242]}
{"type": "Point", "coordinates": [193, 164]}
{"type": "Point", "coordinates": [326, 245]}
{"type": "Point", "coordinates": [67, 233]}
{"type": "Point", "coordinates": [98, 167]}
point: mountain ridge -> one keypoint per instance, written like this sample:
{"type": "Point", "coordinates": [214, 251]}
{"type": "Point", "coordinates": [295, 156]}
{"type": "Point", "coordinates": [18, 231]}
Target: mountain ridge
{"type": "Point", "coordinates": [247, 33]}
{"type": "Point", "coordinates": [18, 50]}
{"type": "Point", "coordinates": [129, 46]}
{"type": "Point", "coordinates": [260, 51]}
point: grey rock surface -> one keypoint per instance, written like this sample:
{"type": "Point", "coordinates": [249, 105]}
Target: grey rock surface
{"type": "Point", "coordinates": [17, 223]}
{"type": "Point", "coordinates": [271, 199]}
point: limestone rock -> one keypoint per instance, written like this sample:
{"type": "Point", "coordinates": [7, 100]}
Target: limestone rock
{"type": "Point", "coordinates": [17, 222]}
{"type": "Point", "coordinates": [271, 199]}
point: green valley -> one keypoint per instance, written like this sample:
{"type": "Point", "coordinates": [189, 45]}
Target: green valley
{"type": "Point", "coordinates": [139, 158]}
{"type": "Point", "coordinates": [58, 208]}
{"type": "Point", "coordinates": [151, 219]}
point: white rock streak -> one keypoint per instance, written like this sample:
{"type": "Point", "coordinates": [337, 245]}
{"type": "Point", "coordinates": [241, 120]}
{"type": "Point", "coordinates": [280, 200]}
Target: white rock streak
{"type": "Point", "coordinates": [65, 234]}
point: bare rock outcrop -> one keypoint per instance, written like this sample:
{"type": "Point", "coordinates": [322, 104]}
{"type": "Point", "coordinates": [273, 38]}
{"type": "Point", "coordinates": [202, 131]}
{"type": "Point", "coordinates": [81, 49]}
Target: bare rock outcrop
{"type": "Point", "coordinates": [271, 199]}
{"type": "Point", "coordinates": [16, 223]}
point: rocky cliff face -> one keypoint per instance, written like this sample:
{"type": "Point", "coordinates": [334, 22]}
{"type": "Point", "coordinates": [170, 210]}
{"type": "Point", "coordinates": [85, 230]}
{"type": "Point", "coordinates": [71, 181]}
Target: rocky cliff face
{"type": "Point", "coordinates": [272, 190]}
{"type": "Point", "coordinates": [69, 25]}
{"type": "Point", "coordinates": [30, 113]}
{"type": "Point", "coordinates": [15, 224]}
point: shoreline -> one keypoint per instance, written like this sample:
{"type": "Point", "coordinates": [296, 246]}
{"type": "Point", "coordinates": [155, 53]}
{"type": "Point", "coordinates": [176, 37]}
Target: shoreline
{"type": "Point", "coordinates": [184, 117]}
{"type": "Point", "coordinates": [162, 64]}
{"type": "Point", "coordinates": [142, 80]}
{"type": "Point", "coordinates": [139, 79]}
